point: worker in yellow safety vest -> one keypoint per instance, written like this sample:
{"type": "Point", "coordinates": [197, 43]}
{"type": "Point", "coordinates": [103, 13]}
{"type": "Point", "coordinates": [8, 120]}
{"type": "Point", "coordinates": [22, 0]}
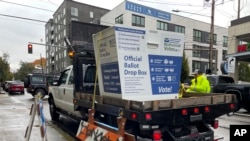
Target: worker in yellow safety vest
{"type": "Point", "coordinates": [199, 83]}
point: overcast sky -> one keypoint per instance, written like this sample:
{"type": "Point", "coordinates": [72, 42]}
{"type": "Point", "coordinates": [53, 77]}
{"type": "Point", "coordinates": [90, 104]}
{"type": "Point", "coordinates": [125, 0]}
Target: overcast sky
{"type": "Point", "coordinates": [15, 33]}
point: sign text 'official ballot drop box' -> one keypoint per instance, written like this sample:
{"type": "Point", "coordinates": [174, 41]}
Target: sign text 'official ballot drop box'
{"type": "Point", "coordinates": [137, 64]}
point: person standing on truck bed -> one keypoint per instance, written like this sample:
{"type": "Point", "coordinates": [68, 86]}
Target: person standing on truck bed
{"type": "Point", "coordinates": [199, 83]}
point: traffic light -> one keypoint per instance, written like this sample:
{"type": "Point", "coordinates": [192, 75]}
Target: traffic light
{"type": "Point", "coordinates": [30, 48]}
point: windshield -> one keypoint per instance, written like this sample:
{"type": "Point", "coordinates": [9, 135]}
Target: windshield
{"type": "Point", "coordinates": [37, 79]}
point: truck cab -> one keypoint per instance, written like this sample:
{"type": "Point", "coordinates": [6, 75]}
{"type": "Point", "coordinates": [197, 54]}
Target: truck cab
{"type": "Point", "coordinates": [61, 93]}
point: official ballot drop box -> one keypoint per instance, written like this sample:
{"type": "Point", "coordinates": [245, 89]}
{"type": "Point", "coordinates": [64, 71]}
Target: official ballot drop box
{"type": "Point", "coordinates": [138, 64]}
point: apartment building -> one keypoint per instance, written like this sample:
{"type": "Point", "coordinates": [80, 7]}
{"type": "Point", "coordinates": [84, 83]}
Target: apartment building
{"type": "Point", "coordinates": [197, 33]}
{"type": "Point", "coordinates": [59, 27]}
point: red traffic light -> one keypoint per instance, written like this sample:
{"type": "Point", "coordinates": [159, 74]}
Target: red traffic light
{"type": "Point", "coordinates": [30, 48]}
{"type": "Point", "coordinates": [29, 45]}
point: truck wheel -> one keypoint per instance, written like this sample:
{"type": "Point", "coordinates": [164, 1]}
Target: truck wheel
{"type": "Point", "coordinates": [41, 91]}
{"type": "Point", "coordinates": [52, 110]}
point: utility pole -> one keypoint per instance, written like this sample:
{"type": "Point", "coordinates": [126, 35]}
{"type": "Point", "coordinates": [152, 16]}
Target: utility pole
{"type": "Point", "coordinates": [238, 9]}
{"type": "Point", "coordinates": [212, 38]}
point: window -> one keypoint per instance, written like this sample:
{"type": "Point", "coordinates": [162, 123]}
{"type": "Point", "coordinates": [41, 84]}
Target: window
{"type": "Point", "coordinates": [74, 11]}
{"type": "Point", "coordinates": [119, 20]}
{"type": "Point", "coordinates": [63, 78]}
{"type": "Point", "coordinates": [196, 51]}
{"type": "Point", "coordinates": [197, 35]}
{"type": "Point", "coordinates": [64, 21]}
{"type": "Point", "coordinates": [215, 38]}
{"type": "Point", "coordinates": [71, 77]}
{"type": "Point", "coordinates": [225, 41]}
{"type": "Point", "coordinates": [64, 11]}
{"type": "Point", "coordinates": [90, 74]}
{"type": "Point", "coordinates": [138, 21]}
{"type": "Point", "coordinates": [162, 25]}
{"type": "Point", "coordinates": [196, 65]}
{"type": "Point", "coordinates": [91, 14]}
{"type": "Point", "coordinates": [179, 29]}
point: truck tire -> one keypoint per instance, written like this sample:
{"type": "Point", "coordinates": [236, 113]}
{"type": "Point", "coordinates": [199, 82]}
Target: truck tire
{"type": "Point", "coordinates": [41, 91]}
{"type": "Point", "coordinates": [53, 110]}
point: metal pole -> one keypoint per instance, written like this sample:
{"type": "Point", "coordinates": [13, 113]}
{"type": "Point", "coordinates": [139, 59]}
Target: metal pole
{"type": "Point", "coordinates": [238, 9]}
{"type": "Point", "coordinates": [211, 38]}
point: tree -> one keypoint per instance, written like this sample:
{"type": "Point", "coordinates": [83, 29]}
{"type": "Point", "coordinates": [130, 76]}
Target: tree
{"type": "Point", "coordinates": [25, 68]}
{"type": "Point", "coordinates": [184, 68]}
{"type": "Point", "coordinates": [244, 71]}
{"type": "Point", "coordinates": [5, 73]}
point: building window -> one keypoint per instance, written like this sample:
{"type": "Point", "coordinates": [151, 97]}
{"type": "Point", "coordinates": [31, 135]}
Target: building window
{"type": "Point", "coordinates": [225, 41]}
{"type": "Point", "coordinates": [179, 29]}
{"type": "Point", "coordinates": [196, 65]}
{"type": "Point", "coordinates": [197, 35]}
{"type": "Point", "coordinates": [138, 21]}
{"type": "Point", "coordinates": [91, 14]}
{"type": "Point", "coordinates": [196, 51]}
{"type": "Point", "coordinates": [64, 12]}
{"type": "Point", "coordinates": [74, 11]}
{"type": "Point", "coordinates": [162, 25]}
{"type": "Point", "coordinates": [215, 38]}
{"type": "Point", "coordinates": [119, 20]}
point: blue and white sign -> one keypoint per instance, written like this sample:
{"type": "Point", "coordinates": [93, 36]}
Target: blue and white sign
{"type": "Point", "coordinates": [147, 11]}
{"type": "Point", "coordinates": [165, 74]}
{"type": "Point", "coordinates": [143, 65]}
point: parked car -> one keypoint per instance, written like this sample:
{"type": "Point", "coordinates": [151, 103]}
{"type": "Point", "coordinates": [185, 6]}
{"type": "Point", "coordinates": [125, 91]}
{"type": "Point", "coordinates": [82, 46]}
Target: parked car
{"type": "Point", "coordinates": [15, 87]}
{"type": "Point", "coordinates": [38, 83]}
{"type": "Point", "coordinates": [6, 85]}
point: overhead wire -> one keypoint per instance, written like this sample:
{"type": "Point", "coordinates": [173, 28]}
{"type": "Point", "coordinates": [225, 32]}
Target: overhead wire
{"type": "Point", "coordinates": [26, 6]}
{"type": "Point", "coordinates": [30, 19]}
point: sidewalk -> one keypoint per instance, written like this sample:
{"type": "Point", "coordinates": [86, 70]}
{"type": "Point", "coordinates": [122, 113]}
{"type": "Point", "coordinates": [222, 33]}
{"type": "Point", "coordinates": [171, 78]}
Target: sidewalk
{"type": "Point", "coordinates": [14, 119]}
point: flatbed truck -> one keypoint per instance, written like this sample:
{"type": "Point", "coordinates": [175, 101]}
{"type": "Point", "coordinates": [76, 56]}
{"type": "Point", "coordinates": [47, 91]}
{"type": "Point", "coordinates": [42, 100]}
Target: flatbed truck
{"type": "Point", "coordinates": [191, 117]}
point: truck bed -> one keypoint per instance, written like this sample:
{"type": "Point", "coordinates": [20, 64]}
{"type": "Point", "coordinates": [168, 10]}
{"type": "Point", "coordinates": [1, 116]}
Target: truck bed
{"type": "Point", "coordinates": [189, 100]}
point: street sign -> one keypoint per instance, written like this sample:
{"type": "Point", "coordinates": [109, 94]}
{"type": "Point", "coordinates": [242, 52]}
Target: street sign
{"type": "Point", "coordinates": [231, 64]}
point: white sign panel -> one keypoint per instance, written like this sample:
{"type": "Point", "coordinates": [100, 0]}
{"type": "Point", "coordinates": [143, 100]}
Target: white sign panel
{"type": "Point", "coordinates": [231, 64]}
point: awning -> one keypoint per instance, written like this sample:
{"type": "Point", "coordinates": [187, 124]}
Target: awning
{"type": "Point", "coordinates": [241, 56]}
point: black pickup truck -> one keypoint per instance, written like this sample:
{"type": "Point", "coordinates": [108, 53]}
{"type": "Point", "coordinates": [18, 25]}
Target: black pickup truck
{"type": "Point", "coordinates": [226, 84]}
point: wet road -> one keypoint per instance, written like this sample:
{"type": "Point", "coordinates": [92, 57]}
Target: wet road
{"type": "Point", "coordinates": [65, 129]}
{"type": "Point", "coordinates": [15, 117]}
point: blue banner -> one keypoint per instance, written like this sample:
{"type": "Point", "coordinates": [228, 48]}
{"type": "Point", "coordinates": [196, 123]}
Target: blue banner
{"type": "Point", "coordinates": [147, 11]}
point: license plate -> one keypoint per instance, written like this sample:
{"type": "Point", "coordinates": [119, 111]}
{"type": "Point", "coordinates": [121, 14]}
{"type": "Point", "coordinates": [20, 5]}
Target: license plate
{"type": "Point", "coordinates": [196, 117]}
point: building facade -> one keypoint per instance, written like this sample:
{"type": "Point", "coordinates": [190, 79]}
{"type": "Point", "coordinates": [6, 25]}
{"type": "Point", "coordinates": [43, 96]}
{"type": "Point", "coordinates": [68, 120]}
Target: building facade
{"type": "Point", "coordinates": [197, 33]}
{"type": "Point", "coordinates": [239, 45]}
{"type": "Point", "coordinates": [58, 28]}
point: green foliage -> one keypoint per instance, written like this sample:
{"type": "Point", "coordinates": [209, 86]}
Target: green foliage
{"type": "Point", "coordinates": [25, 69]}
{"type": "Point", "coordinates": [5, 73]}
{"type": "Point", "coordinates": [244, 71]}
{"type": "Point", "coordinates": [184, 68]}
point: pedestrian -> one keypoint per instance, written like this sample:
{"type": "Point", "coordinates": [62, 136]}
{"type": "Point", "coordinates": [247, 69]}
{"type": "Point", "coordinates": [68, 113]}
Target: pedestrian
{"type": "Point", "coordinates": [199, 84]}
